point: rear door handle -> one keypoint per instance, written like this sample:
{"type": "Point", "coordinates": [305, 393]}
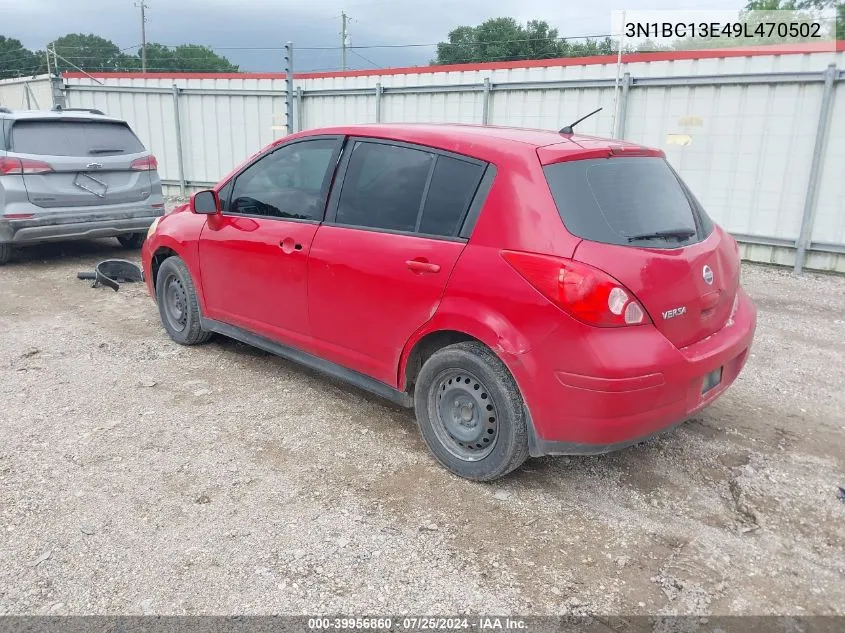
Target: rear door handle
{"type": "Point", "coordinates": [422, 266]}
{"type": "Point", "coordinates": [289, 245]}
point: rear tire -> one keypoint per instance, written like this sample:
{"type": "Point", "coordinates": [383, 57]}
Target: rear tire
{"type": "Point", "coordinates": [132, 241]}
{"type": "Point", "coordinates": [177, 303]}
{"type": "Point", "coordinates": [470, 412]}
{"type": "Point", "coordinates": [5, 253]}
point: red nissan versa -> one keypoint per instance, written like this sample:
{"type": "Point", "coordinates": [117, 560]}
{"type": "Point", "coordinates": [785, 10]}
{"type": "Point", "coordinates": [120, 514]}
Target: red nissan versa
{"type": "Point", "coordinates": [527, 292]}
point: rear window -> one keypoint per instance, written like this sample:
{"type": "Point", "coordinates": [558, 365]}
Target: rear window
{"type": "Point", "coordinates": [452, 187]}
{"type": "Point", "coordinates": [638, 201]}
{"type": "Point", "coordinates": [74, 138]}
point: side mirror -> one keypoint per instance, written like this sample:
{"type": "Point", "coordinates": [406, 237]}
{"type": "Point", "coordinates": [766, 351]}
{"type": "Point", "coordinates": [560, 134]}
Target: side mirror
{"type": "Point", "coordinates": [205, 202]}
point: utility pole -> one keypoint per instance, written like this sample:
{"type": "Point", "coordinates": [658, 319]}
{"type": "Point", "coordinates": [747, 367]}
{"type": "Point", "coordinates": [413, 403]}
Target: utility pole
{"type": "Point", "coordinates": [143, 6]}
{"type": "Point", "coordinates": [344, 19]}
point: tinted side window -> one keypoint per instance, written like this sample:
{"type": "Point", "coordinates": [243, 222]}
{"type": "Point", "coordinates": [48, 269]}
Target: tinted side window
{"type": "Point", "coordinates": [452, 188]}
{"type": "Point", "coordinates": [289, 183]}
{"type": "Point", "coordinates": [384, 186]}
{"type": "Point", "coordinates": [225, 194]}
{"type": "Point", "coordinates": [74, 138]}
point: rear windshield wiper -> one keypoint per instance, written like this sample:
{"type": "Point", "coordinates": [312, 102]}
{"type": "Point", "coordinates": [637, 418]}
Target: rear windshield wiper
{"type": "Point", "coordinates": [105, 150]}
{"type": "Point", "coordinates": [679, 234]}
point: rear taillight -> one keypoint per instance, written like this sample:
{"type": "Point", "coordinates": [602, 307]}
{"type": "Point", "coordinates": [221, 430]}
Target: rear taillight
{"type": "Point", "coordinates": [11, 166]}
{"type": "Point", "coordinates": [588, 294]}
{"type": "Point", "coordinates": [148, 163]}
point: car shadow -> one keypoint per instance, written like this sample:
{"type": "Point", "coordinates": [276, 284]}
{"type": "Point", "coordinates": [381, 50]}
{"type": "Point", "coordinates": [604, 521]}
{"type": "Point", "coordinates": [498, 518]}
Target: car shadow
{"type": "Point", "coordinates": [47, 252]}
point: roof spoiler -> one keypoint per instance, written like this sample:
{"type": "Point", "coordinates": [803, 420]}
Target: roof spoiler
{"type": "Point", "coordinates": [59, 108]}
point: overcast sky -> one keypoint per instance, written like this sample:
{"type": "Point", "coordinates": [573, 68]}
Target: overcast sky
{"type": "Point", "coordinates": [232, 26]}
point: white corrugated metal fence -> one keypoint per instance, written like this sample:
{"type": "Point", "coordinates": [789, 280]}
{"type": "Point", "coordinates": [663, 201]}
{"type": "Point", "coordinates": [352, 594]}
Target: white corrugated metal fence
{"type": "Point", "coordinates": [741, 130]}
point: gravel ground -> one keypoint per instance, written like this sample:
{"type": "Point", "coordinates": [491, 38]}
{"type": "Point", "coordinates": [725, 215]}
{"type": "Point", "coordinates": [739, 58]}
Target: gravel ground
{"type": "Point", "coordinates": [138, 476]}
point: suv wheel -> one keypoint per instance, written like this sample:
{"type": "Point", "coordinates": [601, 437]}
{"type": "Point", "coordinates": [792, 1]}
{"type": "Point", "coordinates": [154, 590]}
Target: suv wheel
{"type": "Point", "coordinates": [177, 303]}
{"type": "Point", "coordinates": [132, 241]}
{"type": "Point", "coordinates": [5, 253]}
{"type": "Point", "coordinates": [471, 413]}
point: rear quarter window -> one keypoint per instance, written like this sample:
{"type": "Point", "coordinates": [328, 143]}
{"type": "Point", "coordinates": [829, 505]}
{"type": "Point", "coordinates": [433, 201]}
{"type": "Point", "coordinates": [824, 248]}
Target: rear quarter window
{"type": "Point", "coordinates": [628, 201]}
{"type": "Point", "coordinates": [74, 138]}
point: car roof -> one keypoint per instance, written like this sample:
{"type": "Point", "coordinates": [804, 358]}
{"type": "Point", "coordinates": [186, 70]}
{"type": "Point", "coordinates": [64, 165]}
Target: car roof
{"type": "Point", "coordinates": [482, 141]}
{"type": "Point", "coordinates": [22, 115]}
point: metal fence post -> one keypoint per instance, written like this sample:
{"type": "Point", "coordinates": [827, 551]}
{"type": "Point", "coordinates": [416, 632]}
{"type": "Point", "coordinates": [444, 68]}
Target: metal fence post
{"type": "Point", "coordinates": [180, 163]}
{"type": "Point", "coordinates": [811, 197]}
{"type": "Point", "coordinates": [379, 91]}
{"type": "Point", "coordinates": [623, 107]}
{"type": "Point", "coordinates": [299, 99]}
{"type": "Point", "coordinates": [485, 102]}
{"type": "Point", "coordinates": [289, 87]}
{"type": "Point", "coordinates": [57, 91]}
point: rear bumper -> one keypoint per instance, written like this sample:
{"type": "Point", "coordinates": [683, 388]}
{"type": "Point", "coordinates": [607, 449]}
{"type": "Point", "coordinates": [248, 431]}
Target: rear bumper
{"type": "Point", "coordinates": [622, 386]}
{"type": "Point", "coordinates": [68, 225]}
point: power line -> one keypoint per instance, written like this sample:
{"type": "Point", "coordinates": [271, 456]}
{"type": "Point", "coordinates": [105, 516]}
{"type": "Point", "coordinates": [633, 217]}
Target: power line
{"type": "Point", "coordinates": [470, 47]}
{"type": "Point", "coordinates": [366, 59]}
{"type": "Point", "coordinates": [365, 46]}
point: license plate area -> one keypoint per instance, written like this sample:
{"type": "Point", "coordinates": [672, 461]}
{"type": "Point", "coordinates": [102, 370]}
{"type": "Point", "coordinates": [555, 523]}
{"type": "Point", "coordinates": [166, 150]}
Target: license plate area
{"type": "Point", "coordinates": [711, 380]}
{"type": "Point", "coordinates": [91, 184]}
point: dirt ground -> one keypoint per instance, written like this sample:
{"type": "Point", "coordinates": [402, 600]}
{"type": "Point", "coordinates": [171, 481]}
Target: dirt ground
{"type": "Point", "coordinates": [138, 476]}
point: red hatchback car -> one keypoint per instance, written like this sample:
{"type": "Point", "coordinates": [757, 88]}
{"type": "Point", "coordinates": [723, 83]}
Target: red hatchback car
{"type": "Point", "coordinates": [527, 292]}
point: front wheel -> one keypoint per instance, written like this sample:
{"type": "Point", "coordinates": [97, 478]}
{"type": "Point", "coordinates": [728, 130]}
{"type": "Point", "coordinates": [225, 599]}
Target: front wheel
{"type": "Point", "coordinates": [132, 241]}
{"type": "Point", "coordinates": [177, 303]}
{"type": "Point", "coordinates": [470, 412]}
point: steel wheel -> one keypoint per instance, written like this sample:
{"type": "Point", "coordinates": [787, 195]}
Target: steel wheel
{"type": "Point", "coordinates": [175, 302]}
{"type": "Point", "coordinates": [466, 416]}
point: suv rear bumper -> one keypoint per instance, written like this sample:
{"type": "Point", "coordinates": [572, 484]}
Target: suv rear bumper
{"type": "Point", "coordinates": [69, 225]}
{"type": "Point", "coordinates": [641, 385]}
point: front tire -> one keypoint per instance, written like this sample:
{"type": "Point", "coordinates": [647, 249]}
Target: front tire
{"type": "Point", "coordinates": [178, 304]}
{"type": "Point", "coordinates": [470, 412]}
{"type": "Point", "coordinates": [132, 241]}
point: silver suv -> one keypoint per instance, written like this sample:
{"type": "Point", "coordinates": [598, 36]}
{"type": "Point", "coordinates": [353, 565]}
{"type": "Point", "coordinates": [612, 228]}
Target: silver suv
{"type": "Point", "coordinates": [72, 174]}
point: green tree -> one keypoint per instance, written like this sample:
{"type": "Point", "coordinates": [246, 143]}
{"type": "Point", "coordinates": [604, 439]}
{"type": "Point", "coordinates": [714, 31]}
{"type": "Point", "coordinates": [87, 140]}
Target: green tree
{"type": "Point", "coordinates": [184, 58]}
{"type": "Point", "coordinates": [88, 52]}
{"type": "Point", "coordinates": [505, 39]}
{"type": "Point", "coordinates": [804, 5]}
{"type": "Point", "coordinates": [589, 47]}
{"type": "Point", "coordinates": [17, 60]}
{"type": "Point", "coordinates": [792, 5]}
{"type": "Point", "coordinates": [92, 53]}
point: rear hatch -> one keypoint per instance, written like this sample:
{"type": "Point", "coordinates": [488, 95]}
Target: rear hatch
{"type": "Point", "coordinates": [80, 162]}
{"type": "Point", "coordinates": [642, 225]}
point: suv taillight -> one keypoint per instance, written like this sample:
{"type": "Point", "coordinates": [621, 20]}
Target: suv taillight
{"type": "Point", "coordinates": [148, 163]}
{"type": "Point", "coordinates": [11, 166]}
{"type": "Point", "coordinates": [588, 294]}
